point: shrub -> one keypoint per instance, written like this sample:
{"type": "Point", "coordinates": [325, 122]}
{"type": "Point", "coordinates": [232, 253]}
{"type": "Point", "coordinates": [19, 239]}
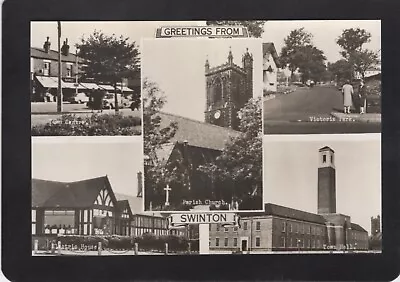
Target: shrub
{"type": "Point", "coordinates": [94, 125]}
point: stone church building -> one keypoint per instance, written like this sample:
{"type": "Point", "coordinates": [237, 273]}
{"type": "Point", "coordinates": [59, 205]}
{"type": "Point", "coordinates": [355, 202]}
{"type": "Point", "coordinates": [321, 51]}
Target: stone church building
{"type": "Point", "coordinates": [281, 228]}
{"type": "Point", "coordinates": [228, 88]}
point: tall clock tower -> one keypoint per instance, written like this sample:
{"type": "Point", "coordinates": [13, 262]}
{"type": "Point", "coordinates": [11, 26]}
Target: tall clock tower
{"type": "Point", "coordinates": [326, 181]}
{"type": "Point", "coordinates": [228, 88]}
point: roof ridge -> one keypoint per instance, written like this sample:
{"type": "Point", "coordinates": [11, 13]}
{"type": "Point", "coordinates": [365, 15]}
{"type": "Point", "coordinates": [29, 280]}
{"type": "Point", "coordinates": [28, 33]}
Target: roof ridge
{"type": "Point", "coordinates": [201, 122]}
{"type": "Point", "coordinates": [70, 182]}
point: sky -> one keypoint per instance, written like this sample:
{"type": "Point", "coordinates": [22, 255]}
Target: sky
{"type": "Point", "coordinates": [324, 34]}
{"type": "Point", "coordinates": [291, 173]}
{"type": "Point", "coordinates": [78, 158]}
{"type": "Point", "coordinates": [177, 66]}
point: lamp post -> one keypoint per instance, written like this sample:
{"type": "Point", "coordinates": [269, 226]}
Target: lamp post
{"type": "Point", "coordinates": [59, 90]}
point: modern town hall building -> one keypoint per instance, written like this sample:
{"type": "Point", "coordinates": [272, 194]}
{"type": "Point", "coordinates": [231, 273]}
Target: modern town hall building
{"type": "Point", "coordinates": [281, 228]}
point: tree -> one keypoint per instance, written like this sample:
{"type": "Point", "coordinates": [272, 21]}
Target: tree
{"type": "Point", "coordinates": [297, 38]}
{"type": "Point", "coordinates": [351, 41]}
{"type": "Point", "coordinates": [157, 172]}
{"type": "Point", "coordinates": [109, 59]}
{"type": "Point", "coordinates": [341, 70]}
{"type": "Point", "coordinates": [239, 166]}
{"type": "Point", "coordinates": [311, 62]}
{"type": "Point", "coordinates": [255, 28]}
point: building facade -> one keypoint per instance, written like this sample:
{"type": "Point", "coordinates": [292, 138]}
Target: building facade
{"type": "Point", "coordinates": [280, 228]}
{"type": "Point", "coordinates": [89, 207]}
{"type": "Point", "coordinates": [270, 67]}
{"type": "Point", "coordinates": [228, 88]}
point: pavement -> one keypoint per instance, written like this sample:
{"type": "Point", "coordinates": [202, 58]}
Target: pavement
{"type": "Point", "coordinates": [42, 113]}
{"type": "Point", "coordinates": [316, 110]}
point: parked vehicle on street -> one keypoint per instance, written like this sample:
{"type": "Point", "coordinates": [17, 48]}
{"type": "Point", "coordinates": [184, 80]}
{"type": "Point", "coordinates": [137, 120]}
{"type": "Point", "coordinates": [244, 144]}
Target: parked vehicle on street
{"type": "Point", "coordinates": [109, 101]}
{"type": "Point", "coordinates": [79, 98]}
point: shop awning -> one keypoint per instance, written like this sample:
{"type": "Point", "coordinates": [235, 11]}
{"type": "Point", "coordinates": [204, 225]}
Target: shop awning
{"type": "Point", "coordinates": [90, 85]}
{"type": "Point", "coordinates": [125, 89]}
{"type": "Point", "coordinates": [107, 87]}
{"type": "Point", "coordinates": [71, 85]}
{"type": "Point", "coordinates": [49, 82]}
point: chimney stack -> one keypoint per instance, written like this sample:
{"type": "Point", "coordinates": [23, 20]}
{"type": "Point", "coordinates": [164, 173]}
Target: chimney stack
{"type": "Point", "coordinates": [65, 48]}
{"type": "Point", "coordinates": [46, 45]}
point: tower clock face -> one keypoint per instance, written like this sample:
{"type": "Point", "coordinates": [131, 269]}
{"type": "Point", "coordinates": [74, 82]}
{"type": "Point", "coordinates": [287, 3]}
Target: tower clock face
{"type": "Point", "coordinates": [217, 114]}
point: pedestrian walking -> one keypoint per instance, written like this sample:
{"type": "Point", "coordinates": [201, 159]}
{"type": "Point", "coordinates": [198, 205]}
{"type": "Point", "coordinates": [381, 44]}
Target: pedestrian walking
{"type": "Point", "coordinates": [362, 95]}
{"type": "Point", "coordinates": [347, 91]}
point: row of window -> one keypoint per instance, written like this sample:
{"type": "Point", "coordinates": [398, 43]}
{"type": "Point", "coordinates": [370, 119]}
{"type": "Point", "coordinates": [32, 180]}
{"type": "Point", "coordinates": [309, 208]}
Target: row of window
{"type": "Point", "coordinates": [302, 228]}
{"type": "Point", "coordinates": [235, 242]}
{"type": "Point", "coordinates": [293, 242]}
{"type": "Point", "coordinates": [47, 67]}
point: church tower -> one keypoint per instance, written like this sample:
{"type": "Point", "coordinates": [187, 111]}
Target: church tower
{"type": "Point", "coordinates": [228, 88]}
{"type": "Point", "coordinates": [326, 181]}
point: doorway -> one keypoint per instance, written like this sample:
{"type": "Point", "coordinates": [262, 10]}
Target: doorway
{"type": "Point", "coordinates": [244, 246]}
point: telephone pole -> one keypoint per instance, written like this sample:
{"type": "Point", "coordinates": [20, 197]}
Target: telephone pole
{"type": "Point", "coordinates": [59, 90]}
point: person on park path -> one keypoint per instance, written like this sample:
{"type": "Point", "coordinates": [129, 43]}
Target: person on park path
{"type": "Point", "coordinates": [347, 91]}
{"type": "Point", "coordinates": [362, 96]}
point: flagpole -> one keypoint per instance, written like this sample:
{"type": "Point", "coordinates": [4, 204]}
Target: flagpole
{"type": "Point", "coordinates": [59, 90]}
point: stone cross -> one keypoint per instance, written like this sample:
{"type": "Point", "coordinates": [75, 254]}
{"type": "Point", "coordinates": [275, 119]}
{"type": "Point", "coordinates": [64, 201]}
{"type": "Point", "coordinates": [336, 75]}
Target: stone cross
{"type": "Point", "coordinates": [167, 189]}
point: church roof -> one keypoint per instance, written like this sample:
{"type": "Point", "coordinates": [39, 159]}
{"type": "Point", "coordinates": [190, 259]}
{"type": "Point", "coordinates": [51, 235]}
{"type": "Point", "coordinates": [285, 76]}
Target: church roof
{"type": "Point", "coordinates": [224, 67]}
{"type": "Point", "coordinates": [285, 212]}
{"type": "Point", "coordinates": [269, 48]}
{"type": "Point", "coordinates": [78, 194]}
{"type": "Point", "coordinates": [197, 133]}
{"type": "Point", "coordinates": [355, 226]}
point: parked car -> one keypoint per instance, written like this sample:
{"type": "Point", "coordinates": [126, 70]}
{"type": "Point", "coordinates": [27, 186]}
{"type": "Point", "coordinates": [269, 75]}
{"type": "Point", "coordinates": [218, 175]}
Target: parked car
{"type": "Point", "coordinates": [109, 101]}
{"type": "Point", "coordinates": [79, 98]}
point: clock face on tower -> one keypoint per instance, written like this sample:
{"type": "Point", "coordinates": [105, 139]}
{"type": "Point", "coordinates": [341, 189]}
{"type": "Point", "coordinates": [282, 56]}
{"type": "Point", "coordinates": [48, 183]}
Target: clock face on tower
{"type": "Point", "coordinates": [217, 114]}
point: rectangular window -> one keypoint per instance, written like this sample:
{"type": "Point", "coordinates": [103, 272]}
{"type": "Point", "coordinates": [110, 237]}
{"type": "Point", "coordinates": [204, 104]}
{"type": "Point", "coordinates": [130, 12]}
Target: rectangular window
{"type": "Point", "coordinates": [69, 70]}
{"type": "Point", "coordinates": [245, 225]}
{"type": "Point", "coordinates": [235, 242]}
{"type": "Point", "coordinates": [283, 243]}
{"type": "Point", "coordinates": [290, 228]}
{"type": "Point", "coordinates": [258, 225]}
{"type": "Point", "coordinates": [226, 229]}
{"type": "Point", "coordinates": [226, 242]}
{"type": "Point", "coordinates": [308, 229]}
{"type": "Point", "coordinates": [283, 226]}
{"type": "Point", "coordinates": [296, 228]}
{"type": "Point", "coordinates": [46, 69]}
{"type": "Point", "coordinates": [217, 242]}
{"type": "Point", "coordinates": [324, 158]}
{"type": "Point", "coordinates": [33, 215]}
{"type": "Point", "coordinates": [217, 227]}
{"type": "Point", "coordinates": [235, 228]}
{"type": "Point", "coordinates": [257, 241]}
{"type": "Point", "coordinates": [33, 228]}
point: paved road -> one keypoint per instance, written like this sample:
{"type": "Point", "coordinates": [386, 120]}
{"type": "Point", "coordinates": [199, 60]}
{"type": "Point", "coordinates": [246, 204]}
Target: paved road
{"type": "Point", "coordinates": [293, 113]}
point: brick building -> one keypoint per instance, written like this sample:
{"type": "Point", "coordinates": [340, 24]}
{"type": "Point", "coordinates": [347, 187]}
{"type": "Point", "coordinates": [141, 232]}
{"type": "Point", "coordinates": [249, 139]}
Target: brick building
{"type": "Point", "coordinates": [280, 228]}
{"type": "Point", "coordinates": [44, 75]}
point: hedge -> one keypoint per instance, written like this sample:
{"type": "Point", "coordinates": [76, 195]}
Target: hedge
{"type": "Point", "coordinates": [146, 242]}
{"type": "Point", "coordinates": [93, 125]}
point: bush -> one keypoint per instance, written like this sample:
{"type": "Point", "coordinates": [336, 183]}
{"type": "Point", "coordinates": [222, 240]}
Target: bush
{"type": "Point", "coordinates": [94, 125]}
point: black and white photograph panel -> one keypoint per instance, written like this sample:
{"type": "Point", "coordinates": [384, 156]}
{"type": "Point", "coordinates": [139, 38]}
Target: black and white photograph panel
{"type": "Point", "coordinates": [322, 77]}
{"type": "Point", "coordinates": [93, 205]}
{"type": "Point", "coordinates": [331, 203]}
{"type": "Point", "coordinates": [202, 124]}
